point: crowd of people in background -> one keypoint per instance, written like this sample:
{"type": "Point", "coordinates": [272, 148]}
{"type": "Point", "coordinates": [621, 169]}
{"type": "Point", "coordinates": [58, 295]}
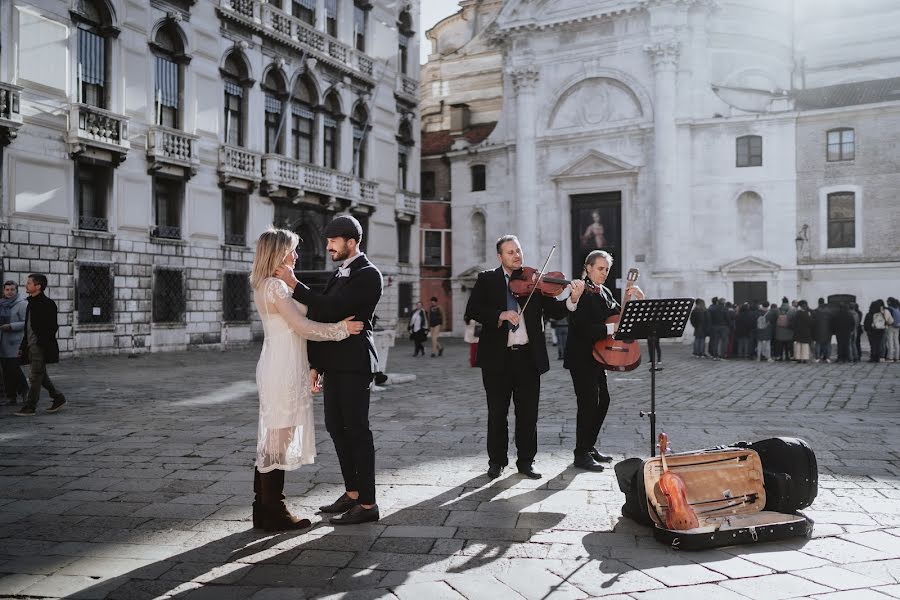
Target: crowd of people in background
{"type": "Point", "coordinates": [794, 331]}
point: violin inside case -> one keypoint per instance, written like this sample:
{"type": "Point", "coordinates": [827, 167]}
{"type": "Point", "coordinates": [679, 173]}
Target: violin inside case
{"type": "Point", "coordinates": [725, 488]}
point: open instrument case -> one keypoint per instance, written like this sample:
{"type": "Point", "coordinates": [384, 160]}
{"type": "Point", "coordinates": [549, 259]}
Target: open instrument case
{"type": "Point", "coordinates": [725, 487]}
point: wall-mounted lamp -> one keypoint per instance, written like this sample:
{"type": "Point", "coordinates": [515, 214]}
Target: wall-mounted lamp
{"type": "Point", "coordinates": [802, 239]}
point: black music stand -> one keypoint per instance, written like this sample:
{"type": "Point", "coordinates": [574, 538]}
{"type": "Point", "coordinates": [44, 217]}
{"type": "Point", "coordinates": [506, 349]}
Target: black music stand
{"type": "Point", "coordinates": [650, 320]}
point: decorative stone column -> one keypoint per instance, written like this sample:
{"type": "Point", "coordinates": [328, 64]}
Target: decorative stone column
{"type": "Point", "coordinates": [665, 153]}
{"type": "Point", "coordinates": [524, 80]}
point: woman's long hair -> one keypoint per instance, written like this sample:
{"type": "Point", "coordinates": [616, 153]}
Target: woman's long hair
{"type": "Point", "coordinates": [271, 248]}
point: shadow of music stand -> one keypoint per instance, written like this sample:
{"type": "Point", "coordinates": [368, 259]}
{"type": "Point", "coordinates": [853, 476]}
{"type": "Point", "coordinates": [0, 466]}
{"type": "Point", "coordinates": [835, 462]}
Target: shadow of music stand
{"type": "Point", "coordinates": [650, 320]}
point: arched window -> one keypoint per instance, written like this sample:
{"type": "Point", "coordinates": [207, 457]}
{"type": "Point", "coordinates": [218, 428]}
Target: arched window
{"type": "Point", "coordinates": [404, 38]}
{"type": "Point", "coordinates": [275, 90]}
{"type": "Point", "coordinates": [405, 143]}
{"type": "Point", "coordinates": [332, 119]}
{"type": "Point", "coordinates": [169, 50]}
{"type": "Point", "coordinates": [236, 78]}
{"type": "Point", "coordinates": [303, 119]}
{"type": "Point", "coordinates": [95, 33]}
{"type": "Point", "coordinates": [841, 144]}
{"type": "Point", "coordinates": [360, 121]}
{"type": "Point", "coordinates": [479, 237]}
{"type": "Point", "coordinates": [750, 221]}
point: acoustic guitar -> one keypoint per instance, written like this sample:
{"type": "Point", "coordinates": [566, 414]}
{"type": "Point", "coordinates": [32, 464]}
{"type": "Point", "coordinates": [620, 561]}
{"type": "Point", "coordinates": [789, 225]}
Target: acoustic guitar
{"type": "Point", "coordinates": [619, 355]}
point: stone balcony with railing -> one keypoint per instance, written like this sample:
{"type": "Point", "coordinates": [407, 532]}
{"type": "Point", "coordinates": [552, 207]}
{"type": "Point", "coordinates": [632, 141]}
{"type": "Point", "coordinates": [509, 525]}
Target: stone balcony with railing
{"type": "Point", "coordinates": [280, 173]}
{"type": "Point", "coordinates": [407, 88]}
{"type": "Point", "coordinates": [98, 132]}
{"type": "Point", "coordinates": [10, 115]}
{"type": "Point", "coordinates": [407, 206]}
{"type": "Point", "coordinates": [284, 27]}
{"type": "Point", "coordinates": [239, 167]}
{"type": "Point", "coordinates": [172, 151]}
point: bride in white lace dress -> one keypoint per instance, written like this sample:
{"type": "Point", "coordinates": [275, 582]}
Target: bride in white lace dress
{"type": "Point", "coordinates": [286, 437]}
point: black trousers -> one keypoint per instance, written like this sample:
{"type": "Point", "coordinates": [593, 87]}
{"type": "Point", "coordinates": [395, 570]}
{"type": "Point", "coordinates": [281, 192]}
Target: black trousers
{"type": "Point", "coordinates": [520, 381]}
{"type": "Point", "coordinates": [347, 421]}
{"type": "Point", "coordinates": [593, 404]}
{"type": "Point", "coordinates": [14, 381]}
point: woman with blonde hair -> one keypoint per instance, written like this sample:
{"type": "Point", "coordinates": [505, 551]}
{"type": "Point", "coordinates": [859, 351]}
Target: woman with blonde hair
{"type": "Point", "coordinates": [286, 438]}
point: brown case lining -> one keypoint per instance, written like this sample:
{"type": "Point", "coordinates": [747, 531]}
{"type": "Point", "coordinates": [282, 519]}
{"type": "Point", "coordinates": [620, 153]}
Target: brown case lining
{"type": "Point", "coordinates": [724, 487]}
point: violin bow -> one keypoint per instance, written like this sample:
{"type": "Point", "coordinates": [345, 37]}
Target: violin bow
{"type": "Point", "coordinates": [536, 283]}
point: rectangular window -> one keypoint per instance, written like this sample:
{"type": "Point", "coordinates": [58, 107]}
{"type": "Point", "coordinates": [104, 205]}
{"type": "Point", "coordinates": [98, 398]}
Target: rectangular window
{"type": "Point", "coordinates": [841, 145]}
{"type": "Point", "coordinates": [404, 300]}
{"type": "Point", "coordinates": [94, 299]}
{"type": "Point", "coordinates": [428, 185]}
{"type": "Point", "coordinates": [236, 297]}
{"type": "Point", "coordinates": [479, 182]}
{"type": "Point", "coordinates": [168, 195]}
{"type": "Point", "coordinates": [91, 188]}
{"type": "Point", "coordinates": [403, 234]}
{"type": "Point", "coordinates": [359, 152]}
{"type": "Point", "coordinates": [330, 144]}
{"type": "Point", "coordinates": [302, 133]}
{"type": "Point", "coordinates": [273, 122]}
{"type": "Point", "coordinates": [168, 296]}
{"type": "Point", "coordinates": [360, 18]}
{"type": "Point", "coordinates": [842, 220]}
{"type": "Point", "coordinates": [305, 10]}
{"type": "Point", "coordinates": [331, 17]}
{"type": "Point", "coordinates": [403, 55]}
{"type": "Point", "coordinates": [749, 151]}
{"type": "Point", "coordinates": [91, 68]}
{"type": "Point", "coordinates": [234, 210]}
{"type": "Point", "coordinates": [166, 92]}
{"type": "Point", "coordinates": [234, 134]}
{"type": "Point", "coordinates": [433, 242]}
{"type": "Point", "coordinates": [402, 167]}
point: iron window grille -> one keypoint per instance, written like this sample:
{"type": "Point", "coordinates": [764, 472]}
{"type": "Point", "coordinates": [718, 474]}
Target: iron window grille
{"type": "Point", "coordinates": [92, 185]}
{"type": "Point", "coordinates": [234, 209]}
{"type": "Point", "coordinates": [236, 297]}
{"type": "Point", "coordinates": [168, 296]}
{"type": "Point", "coordinates": [94, 298]}
{"type": "Point", "coordinates": [168, 195]}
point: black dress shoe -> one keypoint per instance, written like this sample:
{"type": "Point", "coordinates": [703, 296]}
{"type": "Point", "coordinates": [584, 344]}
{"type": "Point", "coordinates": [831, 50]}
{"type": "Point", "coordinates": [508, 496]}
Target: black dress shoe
{"type": "Point", "coordinates": [341, 505]}
{"type": "Point", "coordinates": [357, 515]}
{"type": "Point", "coordinates": [586, 461]}
{"type": "Point", "coordinates": [494, 471]}
{"type": "Point", "coordinates": [602, 458]}
{"type": "Point", "coordinates": [530, 473]}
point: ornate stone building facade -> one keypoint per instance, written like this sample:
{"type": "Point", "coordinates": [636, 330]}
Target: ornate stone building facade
{"type": "Point", "coordinates": [147, 144]}
{"type": "Point", "coordinates": [685, 138]}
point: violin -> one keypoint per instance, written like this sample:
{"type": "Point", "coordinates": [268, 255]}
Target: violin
{"type": "Point", "coordinates": [679, 514]}
{"type": "Point", "coordinates": [615, 354]}
{"type": "Point", "coordinates": [551, 284]}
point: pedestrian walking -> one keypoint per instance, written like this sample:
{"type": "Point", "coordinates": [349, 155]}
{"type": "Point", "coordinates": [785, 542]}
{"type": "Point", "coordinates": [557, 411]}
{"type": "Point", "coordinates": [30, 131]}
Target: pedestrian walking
{"type": "Point", "coordinates": [12, 328]}
{"type": "Point", "coordinates": [561, 327]}
{"type": "Point", "coordinates": [470, 336]}
{"type": "Point", "coordinates": [39, 347]}
{"type": "Point", "coordinates": [418, 329]}
{"type": "Point", "coordinates": [435, 323]}
{"type": "Point", "coordinates": [286, 431]}
{"type": "Point", "coordinates": [348, 366]}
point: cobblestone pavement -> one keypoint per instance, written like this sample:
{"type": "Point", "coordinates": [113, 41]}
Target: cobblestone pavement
{"type": "Point", "coordinates": [141, 488]}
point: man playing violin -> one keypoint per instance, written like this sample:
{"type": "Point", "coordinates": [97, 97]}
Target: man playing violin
{"type": "Point", "coordinates": [588, 376]}
{"type": "Point", "coordinates": [512, 354]}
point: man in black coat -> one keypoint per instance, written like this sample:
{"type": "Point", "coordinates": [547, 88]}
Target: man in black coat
{"type": "Point", "coordinates": [39, 347]}
{"type": "Point", "coordinates": [512, 357]}
{"type": "Point", "coordinates": [347, 366]}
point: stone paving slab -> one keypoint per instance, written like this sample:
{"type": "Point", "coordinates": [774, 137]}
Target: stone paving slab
{"type": "Point", "coordinates": [141, 487]}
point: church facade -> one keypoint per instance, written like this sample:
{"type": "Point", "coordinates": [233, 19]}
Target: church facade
{"type": "Point", "coordinates": [725, 149]}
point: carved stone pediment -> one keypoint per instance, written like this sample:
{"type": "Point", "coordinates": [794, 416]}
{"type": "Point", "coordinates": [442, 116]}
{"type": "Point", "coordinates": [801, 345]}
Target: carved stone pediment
{"type": "Point", "coordinates": [749, 264]}
{"type": "Point", "coordinates": [592, 164]}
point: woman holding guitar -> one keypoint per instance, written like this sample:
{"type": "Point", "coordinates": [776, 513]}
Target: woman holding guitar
{"type": "Point", "coordinates": [588, 326]}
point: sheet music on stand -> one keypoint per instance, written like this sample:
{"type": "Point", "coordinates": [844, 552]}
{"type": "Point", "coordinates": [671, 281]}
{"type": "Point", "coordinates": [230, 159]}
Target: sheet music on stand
{"type": "Point", "coordinates": [660, 318]}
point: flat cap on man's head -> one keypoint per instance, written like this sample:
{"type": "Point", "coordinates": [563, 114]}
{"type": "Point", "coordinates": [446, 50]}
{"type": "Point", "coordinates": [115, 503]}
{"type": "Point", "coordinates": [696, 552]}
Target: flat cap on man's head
{"type": "Point", "coordinates": [345, 226]}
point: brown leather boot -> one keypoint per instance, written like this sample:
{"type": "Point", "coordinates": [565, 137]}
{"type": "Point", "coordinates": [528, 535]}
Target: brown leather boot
{"type": "Point", "coordinates": [257, 500]}
{"type": "Point", "coordinates": [276, 516]}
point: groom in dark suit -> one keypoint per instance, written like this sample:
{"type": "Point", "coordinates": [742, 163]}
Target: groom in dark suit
{"type": "Point", "coordinates": [347, 366]}
{"type": "Point", "coordinates": [512, 354]}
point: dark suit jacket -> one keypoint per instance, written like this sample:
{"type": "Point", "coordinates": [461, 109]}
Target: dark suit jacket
{"type": "Point", "coordinates": [42, 312]}
{"type": "Point", "coordinates": [488, 300]}
{"type": "Point", "coordinates": [356, 295]}
{"type": "Point", "coordinates": [588, 326]}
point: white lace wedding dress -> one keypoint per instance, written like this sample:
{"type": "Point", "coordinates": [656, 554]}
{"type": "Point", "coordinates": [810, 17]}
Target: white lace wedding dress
{"type": "Point", "coordinates": [286, 436]}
